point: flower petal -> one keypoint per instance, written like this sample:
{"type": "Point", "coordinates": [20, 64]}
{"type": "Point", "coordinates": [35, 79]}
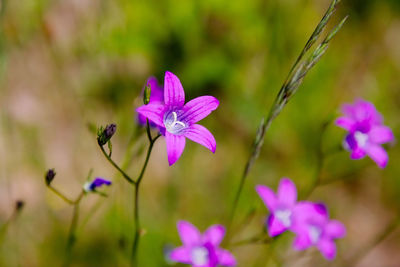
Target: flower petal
{"type": "Point", "coordinates": [181, 254]}
{"type": "Point", "coordinates": [189, 234]}
{"type": "Point", "coordinates": [327, 248]}
{"type": "Point", "coordinates": [377, 154]}
{"type": "Point", "coordinates": [175, 146]}
{"type": "Point", "coordinates": [335, 229]}
{"type": "Point", "coordinates": [302, 212]}
{"type": "Point", "coordinates": [345, 123]}
{"type": "Point", "coordinates": [174, 96]}
{"type": "Point", "coordinates": [225, 258]}
{"type": "Point", "coordinates": [199, 108]}
{"type": "Point", "coordinates": [275, 227]}
{"type": "Point", "coordinates": [302, 240]}
{"type": "Point", "coordinates": [214, 234]}
{"type": "Point", "coordinates": [267, 196]}
{"type": "Point", "coordinates": [287, 192]}
{"type": "Point", "coordinates": [381, 134]}
{"type": "Point", "coordinates": [357, 153]}
{"type": "Point", "coordinates": [199, 134]}
{"type": "Point", "coordinates": [154, 112]}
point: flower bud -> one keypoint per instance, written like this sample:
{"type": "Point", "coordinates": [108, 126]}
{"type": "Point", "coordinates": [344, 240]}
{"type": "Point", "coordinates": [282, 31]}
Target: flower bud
{"type": "Point", "coordinates": [146, 94]}
{"type": "Point", "coordinates": [49, 176]}
{"type": "Point", "coordinates": [104, 135]}
{"type": "Point", "coordinates": [19, 204]}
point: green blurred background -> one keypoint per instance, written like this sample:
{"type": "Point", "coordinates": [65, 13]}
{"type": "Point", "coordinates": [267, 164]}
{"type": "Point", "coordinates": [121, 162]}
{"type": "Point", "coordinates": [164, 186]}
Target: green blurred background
{"type": "Point", "coordinates": [69, 64]}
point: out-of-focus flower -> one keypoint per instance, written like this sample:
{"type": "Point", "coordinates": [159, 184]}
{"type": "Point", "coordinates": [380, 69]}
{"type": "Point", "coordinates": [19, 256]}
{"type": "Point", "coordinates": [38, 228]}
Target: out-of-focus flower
{"type": "Point", "coordinates": [104, 135]}
{"type": "Point", "coordinates": [366, 132]}
{"type": "Point", "coordinates": [281, 206]}
{"type": "Point", "coordinates": [93, 185]}
{"type": "Point", "coordinates": [156, 97]}
{"type": "Point", "coordinates": [49, 176]}
{"type": "Point", "coordinates": [178, 120]}
{"type": "Point", "coordinates": [314, 228]}
{"type": "Point", "coordinates": [201, 250]}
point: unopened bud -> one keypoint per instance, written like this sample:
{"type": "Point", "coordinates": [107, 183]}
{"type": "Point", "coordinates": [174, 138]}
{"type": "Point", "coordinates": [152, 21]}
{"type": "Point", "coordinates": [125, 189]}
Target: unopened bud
{"type": "Point", "coordinates": [49, 176]}
{"type": "Point", "coordinates": [104, 135]}
{"type": "Point", "coordinates": [146, 94]}
{"type": "Point", "coordinates": [19, 205]}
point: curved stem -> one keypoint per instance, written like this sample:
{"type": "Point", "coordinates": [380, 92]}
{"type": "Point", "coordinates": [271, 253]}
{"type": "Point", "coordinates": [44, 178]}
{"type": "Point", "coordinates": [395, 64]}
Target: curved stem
{"type": "Point", "coordinates": [126, 176]}
{"type": "Point", "coordinates": [61, 195]}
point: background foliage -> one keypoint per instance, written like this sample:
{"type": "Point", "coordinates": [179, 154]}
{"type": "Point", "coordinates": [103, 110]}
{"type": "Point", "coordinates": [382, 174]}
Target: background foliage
{"type": "Point", "coordinates": [68, 65]}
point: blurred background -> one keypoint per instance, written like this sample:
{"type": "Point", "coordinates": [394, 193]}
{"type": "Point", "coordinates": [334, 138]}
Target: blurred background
{"type": "Point", "coordinates": [67, 66]}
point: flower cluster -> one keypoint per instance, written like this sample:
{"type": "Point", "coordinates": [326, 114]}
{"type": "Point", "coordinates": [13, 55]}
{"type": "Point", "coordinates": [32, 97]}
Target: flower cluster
{"type": "Point", "coordinates": [366, 132]}
{"type": "Point", "coordinates": [309, 221]}
{"type": "Point", "coordinates": [165, 109]}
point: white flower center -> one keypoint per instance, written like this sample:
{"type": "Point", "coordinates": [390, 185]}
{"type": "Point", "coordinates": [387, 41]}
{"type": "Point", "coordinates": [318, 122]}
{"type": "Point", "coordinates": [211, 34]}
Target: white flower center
{"type": "Point", "coordinates": [314, 233]}
{"type": "Point", "coordinates": [86, 187]}
{"type": "Point", "coordinates": [172, 124]}
{"type": "Point", "coordinates": [199, 256]}
{"type": "Point", "coordinates": [284, 217]}
{"type": "Point", "coordinates": [361, 138]}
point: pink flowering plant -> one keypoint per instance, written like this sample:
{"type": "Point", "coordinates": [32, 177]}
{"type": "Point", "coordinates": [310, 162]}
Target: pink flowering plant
{"type": "Point", "coordinates": [366, 132]}
{"type": "Point", "coordinates": [201, 250]}
{"type": "Point", "coordinates": [309, 221]}
{"type": "Point", "coordinates": [178, 120]}
{"type": "Point", "coordinates": [165, 114]}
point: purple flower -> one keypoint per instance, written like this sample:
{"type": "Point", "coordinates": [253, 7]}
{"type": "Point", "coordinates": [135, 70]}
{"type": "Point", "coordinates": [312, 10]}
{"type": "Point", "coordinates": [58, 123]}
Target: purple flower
{"type": "Point", "coordinates": [98, 182]}
{"type": "Point", "coordinates": [201, 250]}
{"type": "Point", "coordinates": [156, 97]}
{"type": "Point", "coordinates": [366, 132]}
{"type": "Point", "coordinates": [282, 206]}
{"type": "Point", "coordinates": [314, 228]}
{"type": "Point", "coordinates": [178, 120]}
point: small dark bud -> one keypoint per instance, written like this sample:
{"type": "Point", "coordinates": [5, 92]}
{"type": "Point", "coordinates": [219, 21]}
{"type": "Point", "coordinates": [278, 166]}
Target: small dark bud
{"type": "Point", "coordinates": [19, 205]}
{"type": "Point", "coordinates": [104, 135]}
{"type": "Point", "coordinates": [49, 176]}
{"type": "Point", "coordinates": [146, 95]}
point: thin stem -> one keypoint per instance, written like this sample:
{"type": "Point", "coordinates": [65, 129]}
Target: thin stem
{"type": "Point", "coordinates": [72, 229]}
{"type": "Point", "coordinates": [320, 156]}
{"type": "Point", "coordinates": [58, 193]}
{"type": "Point", "coordinates": [390, 228]}
{"type": "Point", "coordinates": [136, 197]}
{"type": "Point", "coordinates": [4, 227]}
{"type": "Point", "coordinates": [126, 176]}
{"type": "Point", "coordinates": [246, 171]}
{"type": "Point", "coordinates": [258, 239]}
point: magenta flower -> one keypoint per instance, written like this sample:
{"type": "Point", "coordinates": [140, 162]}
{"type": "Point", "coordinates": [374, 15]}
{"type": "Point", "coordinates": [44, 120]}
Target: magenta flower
{"type": "Point", "coordinates": [178, 120]}
{"type": "Point", "coordinates": [201, 250]}
{"type": "Point", "coordinates": [314, 228]}
{"type": "Point", "coordinates": [156, 97]}
{"type": "Point", "coordinates": [97, 182]}
{"type": "Point", "coordinates": [366, 132]}
{"type": "Point", "coordinates": [282, 206]}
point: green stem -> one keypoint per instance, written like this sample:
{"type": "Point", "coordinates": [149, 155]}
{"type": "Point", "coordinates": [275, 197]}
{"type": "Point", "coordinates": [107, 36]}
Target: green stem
{"type": "Point", "coordinates": [320, 156]}
{"type": "Point", "coordinates": [126, 176]}
{"type": "Point", "coordinates": [258, 239]}
{"type": "Point", "coordinates": [72, 229]}
{"type": "Point", "coordinates": [136, 198]}
{"type": "Point", "coordinates": [58, 193]}
{"type": "Point", "coordinates": [252, 158]}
